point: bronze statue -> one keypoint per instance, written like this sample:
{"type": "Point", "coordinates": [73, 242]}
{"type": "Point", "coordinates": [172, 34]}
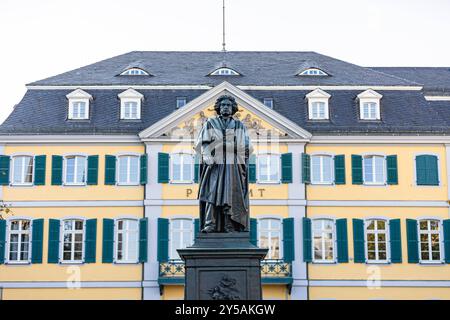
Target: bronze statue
{"type": "Point", "coordinates": [224, 147]}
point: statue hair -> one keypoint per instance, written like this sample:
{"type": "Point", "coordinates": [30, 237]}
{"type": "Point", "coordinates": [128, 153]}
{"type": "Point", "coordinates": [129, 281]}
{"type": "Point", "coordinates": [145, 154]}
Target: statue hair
{"type": "Point", "coordinates": [226, 97]}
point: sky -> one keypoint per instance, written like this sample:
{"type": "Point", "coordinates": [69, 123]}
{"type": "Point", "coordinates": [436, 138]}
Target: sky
{"type": "Point", "coordinates": [42, 38]}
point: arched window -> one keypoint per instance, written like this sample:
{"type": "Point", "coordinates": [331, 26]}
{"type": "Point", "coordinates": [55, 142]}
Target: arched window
{"type": "Point", "coordinates": [270, 237]}
{"type": "Point", "coordinates": [127, 239]}
{"type": "Point", "coordinates": [134, 72]}
{"type": "Point", "coordinates": [323, 233]}
{"type": "Point", "coordinates": [430, 240]}
{"type": "Point", "coordinates": [181, 236]}
{"type": "Point", "coordinates": [376, 240]}
{"type": "Point", "coordinates": [224, 72]}
{"type": "Point", "coordinates": [313, 72]}
{"type": "Point", "coordinates": [19, 239]}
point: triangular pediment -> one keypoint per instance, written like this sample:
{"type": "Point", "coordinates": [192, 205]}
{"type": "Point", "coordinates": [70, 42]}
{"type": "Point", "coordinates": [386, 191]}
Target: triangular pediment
{"type": "Point", "coordinates": [260, 120]}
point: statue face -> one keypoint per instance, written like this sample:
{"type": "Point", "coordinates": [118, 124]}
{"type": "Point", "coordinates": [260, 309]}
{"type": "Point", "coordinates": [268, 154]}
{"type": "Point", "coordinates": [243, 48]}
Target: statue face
{"type": "Point", "coordinates": [226, 108]}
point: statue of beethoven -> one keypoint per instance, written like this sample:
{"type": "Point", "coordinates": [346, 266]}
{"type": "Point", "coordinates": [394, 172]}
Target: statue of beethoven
{"type": "Point", "coordinates": [224, 147]}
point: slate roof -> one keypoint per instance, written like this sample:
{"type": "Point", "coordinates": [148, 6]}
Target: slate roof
{"type": "Point", "coordinates": [402, 112]}
{"type": "Point", "coordinates": [192, 68]}
{"type": "Point", "coordinates": [435, 80]}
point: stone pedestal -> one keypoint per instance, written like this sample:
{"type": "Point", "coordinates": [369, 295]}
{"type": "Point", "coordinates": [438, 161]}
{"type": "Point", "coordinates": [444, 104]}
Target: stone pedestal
{"type": "Point", "coordinates": [222, 266]}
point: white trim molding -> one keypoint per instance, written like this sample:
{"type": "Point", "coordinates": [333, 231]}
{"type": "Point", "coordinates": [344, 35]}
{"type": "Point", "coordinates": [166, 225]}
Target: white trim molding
{"type": "Point", "coordinates": [437, 98]}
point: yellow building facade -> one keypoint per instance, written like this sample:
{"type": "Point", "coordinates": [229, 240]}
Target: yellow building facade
{"type": "Point", "coordinates": [101, 197]}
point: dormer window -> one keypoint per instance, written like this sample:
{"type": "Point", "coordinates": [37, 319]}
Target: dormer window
{"type": "Point", "coordinates": [130, 105]}
{"type": "Point", "coordinates": [268, 102]}
{"type": "Point", "coordinates": [369, 105]}
{"type": "Point", "coordinates": [78, 105]}
{"type": "Point", "coordinates": [318, 105]}
{"type": "Point", "coordinates": [181, 102]}
{"type": "Point", "coordinates": [313, 72]}
{"type": "Point", "coordinates": [225, 72]}
{"type": "Point", "coordinates": [134, 72]}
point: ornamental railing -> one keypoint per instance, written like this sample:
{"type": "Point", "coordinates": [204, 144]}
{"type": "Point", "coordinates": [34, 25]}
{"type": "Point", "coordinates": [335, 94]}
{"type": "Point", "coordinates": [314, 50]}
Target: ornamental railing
{"type": "Point", "coordinates": [269, 268]}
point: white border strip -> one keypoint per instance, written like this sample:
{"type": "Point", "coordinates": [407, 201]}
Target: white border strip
{"type": "Point", "coordinates": [437, 98]}
{"type": "Point", "coordinates": [375, 139]}
{"type": "Point", "coordinates": [383, 283]}
{"type": "Point", "coordinates": [94, 203]}
{"type": "Point", "coordinates": [71, 139]}
{"type": "Point", "coordinates": [376, 203]}
{"type": "Point", "coordinates": [64, 284]}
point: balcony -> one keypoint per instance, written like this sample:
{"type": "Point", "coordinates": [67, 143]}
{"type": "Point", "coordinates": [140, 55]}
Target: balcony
{"type": "Point", "coordinates": [272, 272]}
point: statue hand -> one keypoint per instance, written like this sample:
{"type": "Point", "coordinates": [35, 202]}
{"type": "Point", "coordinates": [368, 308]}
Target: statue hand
{"type": "Point", "coordinates": [209, 160]}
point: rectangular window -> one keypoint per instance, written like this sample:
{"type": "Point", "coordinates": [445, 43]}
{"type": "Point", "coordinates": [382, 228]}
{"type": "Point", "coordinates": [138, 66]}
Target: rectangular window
{"type": "Point", "coordinates": [79, 110]}
{"type": "Point", "coordinates": [268, 168]}
{"type": "Point", "coordinates": [376, 240]}
{"type": "Point", "coordinates": [321, 169]}
{"type": "Point", "coordinates": [128, 170]}
{"type": "Point", "coordinates": [374, 170]}
{"type": "Point", "coordinates": [19, 241]}
{"type": "Point", "coordinates": [127, 240]}
{"type": "Point", "coordinates": [268, 102]}
{"type": "Point", "coordinates": [130, 110]}
{"type": "Point", "coordinates": [369, 111]}
{"type": "Point", "coordinates": [270, 237]}
{"type": "Point", "coordinates": [318, 110]}
{"type": "Point", "coordinates": [427, 170]}
{"type": "Point", "coordinates": [430, 241]}
{"type": "Point", "coordinates": [72, 240]}
{"type": "Point", "coordinates": [75, 167]}
{"type": "Point", "coordinates": [182, 168]}
{"type": "Point", "coordinates": [22, 170]}
{"type": "Point", "coordinates": [181, 102]}
{"type": "Point", "coordinates": [181, 236]}
{"type": "Point", "coordinates": [323, 240]}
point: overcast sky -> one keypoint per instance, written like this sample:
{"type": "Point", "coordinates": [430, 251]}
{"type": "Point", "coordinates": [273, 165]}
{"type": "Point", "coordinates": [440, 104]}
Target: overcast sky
{"type": "Point", "coordinates": [41, 38]}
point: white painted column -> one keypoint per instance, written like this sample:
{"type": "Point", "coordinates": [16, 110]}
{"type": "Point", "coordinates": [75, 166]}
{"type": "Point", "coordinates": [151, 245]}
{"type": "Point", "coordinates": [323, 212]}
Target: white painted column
{"type": "Point", "coordinates": [297, 211]}
{"type": "Point", "coordinates": [153, 191]}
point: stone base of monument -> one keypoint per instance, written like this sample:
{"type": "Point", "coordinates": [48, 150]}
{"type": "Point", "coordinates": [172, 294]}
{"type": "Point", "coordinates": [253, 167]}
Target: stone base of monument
{"type": "Point", "coordinates": [223, 266]}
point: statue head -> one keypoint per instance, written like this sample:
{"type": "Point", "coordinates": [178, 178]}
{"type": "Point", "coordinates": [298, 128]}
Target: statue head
{"type": "Point", "coordinates": [226, 106]}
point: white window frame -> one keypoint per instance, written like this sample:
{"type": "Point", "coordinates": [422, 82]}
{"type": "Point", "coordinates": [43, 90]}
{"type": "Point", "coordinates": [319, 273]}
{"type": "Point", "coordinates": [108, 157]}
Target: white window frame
{"type": "Point", "coordinates": [332, 178]}
{"type": "Point", "coordinates": [270, 232]}
{"type": "Point", "coordinates": [134, 72]}
{"type": "Point", "coordinates": [12, 161]}
{"type": "Point", "coordinates": [318, 96]}
{"type": "Point", "coordinates": [369, 96]}
{"type": "Point", "coordinates": [184, 99]}
{"type": "Point", "coordinates": [224, 71]}
{"type": "Point", "coordinates": [127, 96]}
{"type": "Point", "coordinates": [441, 240]}
{"type": "Point", "coordinates": [258, 161]}
{"type": "Point", "coordinates": [61, 241]}
{"type": "Point", "coordinates": [75, 97]}
{"type": "Point", "coordinates": [334, 240]}
{"type": "Point", "coordinates": [182, 154]}
{"type": "Point", "coordinates": [366, 243]}
{"type": "Point", "coordinates": [267, 101]}
{"type": "Point", "coordinates": [75, 171]}
{"type": "Point", "coordinates": [128, 182]}
{"type": "Point", "coordinates": [192, 229]}
{"type": "Point", "coordinates": [384, 182]}
{"type": "Point", "coordinates": [313, 72]}
{"type": "Point", "coordinates": [126, 234]}
{"type": "Point", "coordinates": [8, 240]}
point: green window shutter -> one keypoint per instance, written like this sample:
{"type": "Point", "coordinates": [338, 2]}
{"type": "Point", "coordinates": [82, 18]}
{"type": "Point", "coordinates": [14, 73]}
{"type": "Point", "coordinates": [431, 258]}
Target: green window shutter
{"type": "Point", "coordinates": [90, 243]}
{"type": "Point", "coordinates": [92, 174]}
{"type": "Point", "coordinates": [359, 255]}
{"type": "Point", "coordinates": [307, 243]}
{"type": "Point", "coordinates": [395, 240]}
{"type": "Point", "coordinates": [286, 168]}
{"type": "Point", "coordinates": [143, 239]}
{"type": "Point", "coordinates": [427, 173]}
{"type": "Point", "coordinates": [144, 169]}
{"type": "Point", "coordinates": [4, 170]}
{"type": "Point", "coordinates": [446, 224]}
{"type": "Point", "coordinates": [37, 240]}
{"type": "Point", "coordinates": [108, 241]}
{"type": "Point", "coordinates": [306, 168]}
{"type": "Point", "coordinates": [163, 240]}
{"type": "Point", "coordinates": [39, 170]}
{"type": "Point", "coordinates": [357, 170]}
{"type": "Point", "coordinates": [252, 169]}
{"type": "Point", "coordinates": [163, 167]}
{"type": "Point", "coordinates": [342, 240]}
{"type": "Point", "coordinates": [413, 243]}
{"type": "Point", "coordinates": [254, 231]}
{"type": "Point", "coordinates": [110, 170]}
{"type": "Point", "coordinates": [2, 241]}
{"type": "Point", "coordinates": [53, 241]}
{"type": "Point", "coordinates": [339, 169]}
{"type": "Point", "coordinates": [196, 227]}
{"type": "Point", "coordinates": [392, 171]}
{"type": "Point", "coordinates": [196, 169]}
{"type": "Point", "coordinates": [288, 240]}
{"type": "Point", "coordinates": [57, 170]}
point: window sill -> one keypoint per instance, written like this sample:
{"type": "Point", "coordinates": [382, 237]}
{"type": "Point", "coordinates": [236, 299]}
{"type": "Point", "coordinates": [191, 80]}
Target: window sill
{"type": "Point", "coordinates": [79, 120]}
{"type": "Point", "coordinates": [268, 182]}
{"type": "Point", "coordinates": [21, 185]}
{"type": "Point", "coordinates": [431, 263]}
{"type": "Point", "coordinates": [71, 262]}
{"type": "Point", "coordinates": [378, 262]}
{"type": "Point", "coordinates": [368, 184]}
{"type": "Point", "coordinates": [325, 262]}
{"type": "Point", "coordinates": [74, 184]}
{"type": "Point", "coordinates": [181, 182]}
{"type": "Point", "coordinates": [126, 262]}
{"type": "Point", "coordinates": [131, 120]}
{"type": "Point", "coordinates": [127, 184]}
{"type": "Point", "coordinates": [18, 263]}
{"type": "Point", "coordinates": [322, 184]}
